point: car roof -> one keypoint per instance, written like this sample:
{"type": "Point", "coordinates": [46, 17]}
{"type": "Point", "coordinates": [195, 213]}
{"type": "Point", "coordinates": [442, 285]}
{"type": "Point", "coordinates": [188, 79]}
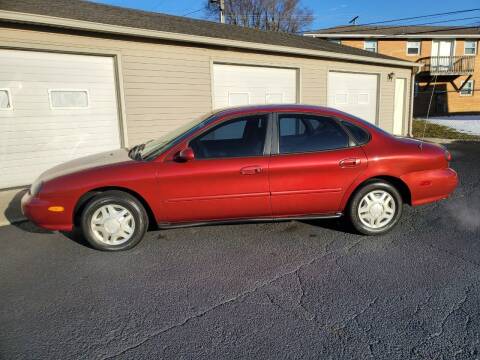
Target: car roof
{"type": "Point", "coordinates": [274, 108]}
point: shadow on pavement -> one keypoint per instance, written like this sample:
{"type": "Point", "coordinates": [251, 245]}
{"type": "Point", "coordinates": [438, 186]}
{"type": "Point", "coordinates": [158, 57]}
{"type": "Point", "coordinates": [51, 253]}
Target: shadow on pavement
{"type": "Point", "coordinates": [13, 214]}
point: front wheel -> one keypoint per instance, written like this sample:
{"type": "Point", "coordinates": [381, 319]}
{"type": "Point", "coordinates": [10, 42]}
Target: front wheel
{"type": "Point", "coordinates": [114, 221]}
{"type": "Point", "coordinates": [375, 208]}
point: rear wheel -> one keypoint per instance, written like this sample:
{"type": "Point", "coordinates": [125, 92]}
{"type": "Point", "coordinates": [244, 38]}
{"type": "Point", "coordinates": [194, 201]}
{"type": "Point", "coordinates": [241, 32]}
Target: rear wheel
{"type": "Point", "coordinates": [114, 221]}
{"type": "Point", "coordinates": [375, 208]}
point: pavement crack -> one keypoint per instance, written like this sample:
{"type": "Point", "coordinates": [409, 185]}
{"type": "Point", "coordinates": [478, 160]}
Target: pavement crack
{"type": "Point", "coordinates": [354, 317]}
{"type": "Point", "coordinates": [308, 315]}
{"type": "Point", "coordinates": [456, 307]}
{"type": "Point", "coordinates": [218, 305]}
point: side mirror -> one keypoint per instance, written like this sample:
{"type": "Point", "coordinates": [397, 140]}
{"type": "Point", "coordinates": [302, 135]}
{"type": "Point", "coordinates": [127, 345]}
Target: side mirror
{"type": "Point", "coordinates": [185, 155]}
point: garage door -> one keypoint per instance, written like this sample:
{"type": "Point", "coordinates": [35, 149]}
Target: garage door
{"type": "Point", "coordinates": [53, 108]}
{"type": "Point", "coordinates": [236, 85]}
{"type": "Point", "coordinates": [354, 93]}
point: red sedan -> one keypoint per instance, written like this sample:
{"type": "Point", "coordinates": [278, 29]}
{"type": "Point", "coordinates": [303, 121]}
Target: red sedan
{"type": "Point", "coordinates": [252, 163]}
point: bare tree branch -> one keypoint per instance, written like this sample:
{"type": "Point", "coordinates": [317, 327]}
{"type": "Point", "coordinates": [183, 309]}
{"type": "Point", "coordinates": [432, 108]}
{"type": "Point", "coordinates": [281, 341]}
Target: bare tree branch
{"type": "Point", "coordinates": [273, 15]}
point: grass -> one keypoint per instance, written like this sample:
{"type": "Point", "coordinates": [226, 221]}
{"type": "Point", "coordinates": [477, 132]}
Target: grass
{"type": "Point", "coordinates": [439, 131]}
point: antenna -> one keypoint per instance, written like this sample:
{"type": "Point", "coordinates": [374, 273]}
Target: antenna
{"type": "Point", "coordinates": [353, 21]}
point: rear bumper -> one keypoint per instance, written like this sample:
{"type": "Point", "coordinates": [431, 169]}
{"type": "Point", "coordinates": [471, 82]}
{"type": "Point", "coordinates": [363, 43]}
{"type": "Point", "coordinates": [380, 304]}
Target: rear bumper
{"type": "Point", "coordinates": [431, 185]}
{"type": "Point", "coordinates": [37, 211]}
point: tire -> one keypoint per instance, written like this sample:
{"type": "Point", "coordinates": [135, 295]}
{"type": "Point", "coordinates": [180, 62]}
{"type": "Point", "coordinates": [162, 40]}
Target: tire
{"type": "Point", "coordinates": [375, 208]}
{"type": "Point", "coordinates": [114, 221]}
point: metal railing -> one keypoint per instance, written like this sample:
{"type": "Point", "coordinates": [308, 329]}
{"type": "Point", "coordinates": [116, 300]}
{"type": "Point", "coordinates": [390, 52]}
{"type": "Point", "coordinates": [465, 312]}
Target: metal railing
{"type": "Point", "coordinates": [448, 65]}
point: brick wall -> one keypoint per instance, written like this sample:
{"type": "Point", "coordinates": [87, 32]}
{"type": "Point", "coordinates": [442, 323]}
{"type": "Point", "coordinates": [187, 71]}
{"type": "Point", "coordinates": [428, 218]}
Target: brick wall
{"type": "Point", "coordinates": [446, 99]}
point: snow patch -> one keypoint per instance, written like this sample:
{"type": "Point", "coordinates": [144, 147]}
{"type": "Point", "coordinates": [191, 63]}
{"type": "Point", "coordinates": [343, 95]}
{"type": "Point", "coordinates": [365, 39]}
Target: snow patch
{"type": "Point", "coordinates": [469, 124]}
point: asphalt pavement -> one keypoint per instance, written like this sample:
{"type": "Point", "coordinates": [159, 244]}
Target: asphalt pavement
{"type": "Point", "coordinates": [291, 290]}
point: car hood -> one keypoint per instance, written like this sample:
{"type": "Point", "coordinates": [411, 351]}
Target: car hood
{"type": "Point", "coordinates": [107, 158]}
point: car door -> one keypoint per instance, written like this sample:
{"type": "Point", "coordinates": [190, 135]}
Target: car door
{"type": "Point", "coordinates": [227, 179]}
{"type": "Point", "coordinates": [314, 161]}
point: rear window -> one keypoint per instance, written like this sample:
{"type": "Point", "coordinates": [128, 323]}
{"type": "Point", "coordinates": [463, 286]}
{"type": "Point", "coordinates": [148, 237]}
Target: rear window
{"type": "Point", "coordinates": [361, 136]}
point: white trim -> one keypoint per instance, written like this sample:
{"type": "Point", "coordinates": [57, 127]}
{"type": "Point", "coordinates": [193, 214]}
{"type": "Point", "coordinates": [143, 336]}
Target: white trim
{"type": "Point", "coordinates": [475, 47]}
{"type": "Point", "coordinates": [68, 107]}
{"type": "Point", "coordinates": [10, 103]}
{"type": "Point", "coordinates": [472, 81]}
{"type": "Point", "coordinates": [419, 48]}
{"type": "Point", "coordinates": [129, 31]}
{"type": "Point", "coordinates": [370, 40]}
{"type": "Point", "coordinates": [401, 36]}
{"type": "Point", "coordinates": [453, 49]}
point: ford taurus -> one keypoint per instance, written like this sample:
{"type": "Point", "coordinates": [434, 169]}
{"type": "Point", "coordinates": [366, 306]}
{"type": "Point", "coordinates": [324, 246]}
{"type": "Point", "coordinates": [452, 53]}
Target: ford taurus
{"type": "Point", "coordinates": [259, 163]}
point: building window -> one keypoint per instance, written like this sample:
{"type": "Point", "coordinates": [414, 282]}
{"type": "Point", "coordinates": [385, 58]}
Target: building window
{"type": "Point", "coordinates": [413, 47]}
{"type": "Point", "coordinates": [470, 47]}
{"type": "Point", "coordinates": [467, 89]}
{"type": "Point", "coordinates": [68, 99]}
{"type": "Point", "coordinates": [370, 45]}
{"type": "Point", "coordinates": [336, 41]}
{"type": "Point", "coordinates": [5, 99]}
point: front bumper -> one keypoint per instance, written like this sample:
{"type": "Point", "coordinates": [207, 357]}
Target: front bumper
{"type": "Point", "coordinates": [37, 211]}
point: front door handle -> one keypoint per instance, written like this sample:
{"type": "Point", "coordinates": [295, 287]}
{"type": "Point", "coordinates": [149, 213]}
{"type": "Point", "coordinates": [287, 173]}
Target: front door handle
{"type": "Point", "coordinates": [251, 170]}
{"type": "Point", "coordinates": [350, 162]}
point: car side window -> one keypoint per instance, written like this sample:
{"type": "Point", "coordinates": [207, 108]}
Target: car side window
{"type": "Point", "coordinates": [361, 136]}
{"type": "Point", "coordinates": [240, 137]}
{"type": "Point", "coordinates": [309, 133]}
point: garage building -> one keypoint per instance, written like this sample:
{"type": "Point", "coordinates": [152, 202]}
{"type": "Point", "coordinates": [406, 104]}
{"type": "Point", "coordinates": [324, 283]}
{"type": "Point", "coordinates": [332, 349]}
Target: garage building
{"type": "Point", "coordinates": [78, 78]}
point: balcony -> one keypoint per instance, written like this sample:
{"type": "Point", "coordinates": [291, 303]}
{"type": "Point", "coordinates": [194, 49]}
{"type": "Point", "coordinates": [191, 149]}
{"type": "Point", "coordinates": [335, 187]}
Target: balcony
{"type": "Point", "coordinates": [448, 65]}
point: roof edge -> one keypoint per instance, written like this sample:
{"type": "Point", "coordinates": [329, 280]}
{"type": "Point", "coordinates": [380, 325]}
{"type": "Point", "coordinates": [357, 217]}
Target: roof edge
{"type": "Point", "coordinates": [386, 36]}
{"type": "Point", "coordinates": [50, 21]}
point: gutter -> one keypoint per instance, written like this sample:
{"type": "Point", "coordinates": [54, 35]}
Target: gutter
{"type": "Point", "coordinates": [50, 21]}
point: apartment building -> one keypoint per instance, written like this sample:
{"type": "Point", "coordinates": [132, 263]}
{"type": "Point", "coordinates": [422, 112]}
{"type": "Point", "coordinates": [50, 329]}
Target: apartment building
{"type": "Point", "coordinates": [449, 56]}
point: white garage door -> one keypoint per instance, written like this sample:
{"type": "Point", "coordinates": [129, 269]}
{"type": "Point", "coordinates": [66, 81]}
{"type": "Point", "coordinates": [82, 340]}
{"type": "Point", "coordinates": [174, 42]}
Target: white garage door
{"type": "Point", "coordinates": [53, 108]}
{"type": "Point", "coordinates": [236, 85]}
{"type": "Point", "coordinates": [354, 93]}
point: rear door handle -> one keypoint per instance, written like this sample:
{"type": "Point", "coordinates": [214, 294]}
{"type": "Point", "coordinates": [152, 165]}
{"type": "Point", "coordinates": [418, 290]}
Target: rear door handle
{"type": "Point", "coordinates": [251, 170]}
{"type": "Point", "coordinates": [350, 162]}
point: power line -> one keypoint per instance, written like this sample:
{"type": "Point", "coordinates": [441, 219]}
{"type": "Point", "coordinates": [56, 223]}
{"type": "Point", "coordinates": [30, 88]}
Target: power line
{"type": "Point", "coordinates": [193, 12]}
{"type": "Point", "coordinates": [411, 18]}
{"type": "Point", "coordinates": [421, 24]}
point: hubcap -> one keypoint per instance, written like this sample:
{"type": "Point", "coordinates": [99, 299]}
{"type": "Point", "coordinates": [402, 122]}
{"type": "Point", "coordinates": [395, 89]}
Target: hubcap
{"type": "Point", "coordinates": [376, 209]}
{"type": "Point", "coordinates": [112, 224]}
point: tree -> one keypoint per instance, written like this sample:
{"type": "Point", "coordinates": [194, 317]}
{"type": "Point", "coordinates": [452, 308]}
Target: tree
{"type": "Point", "coordinates": [273, 15]}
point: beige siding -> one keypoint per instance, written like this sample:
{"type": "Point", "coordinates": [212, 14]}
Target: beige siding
{"type": "Point", "coordinates": [163, 85]}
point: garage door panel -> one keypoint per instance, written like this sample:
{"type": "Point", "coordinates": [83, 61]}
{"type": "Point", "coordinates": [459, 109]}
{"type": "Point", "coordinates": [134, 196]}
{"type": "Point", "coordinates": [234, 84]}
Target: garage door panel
{"type": "Point", "coordinates": [35, 136]}
{"type": "Point", "coordinates": [241, 85]}
{"type": "Point", "coordinates": [354, 93]}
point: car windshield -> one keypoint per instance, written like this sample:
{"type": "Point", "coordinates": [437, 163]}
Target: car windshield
{"type": "Point", "coordinates": [153, 148]}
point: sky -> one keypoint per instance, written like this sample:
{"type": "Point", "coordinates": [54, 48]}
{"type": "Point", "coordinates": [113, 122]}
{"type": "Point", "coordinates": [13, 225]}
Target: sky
{"type": "Point", "coordinates": [330, 13]}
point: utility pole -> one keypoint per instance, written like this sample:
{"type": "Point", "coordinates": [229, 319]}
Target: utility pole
{"type": "Point", "coordinates": [221, 9]}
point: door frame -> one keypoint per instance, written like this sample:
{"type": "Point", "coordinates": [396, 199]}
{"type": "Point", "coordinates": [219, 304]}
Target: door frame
{"type": "Point", "coordinates": [275, 133]}
{"type": "Point", "coordinates": [267, 146]}
{"type": "Point", "coordinates": [404, 95]}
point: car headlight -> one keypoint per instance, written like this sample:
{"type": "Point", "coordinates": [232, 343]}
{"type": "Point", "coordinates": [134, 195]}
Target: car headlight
{"type": "Point", "coordinates": [36, 187]}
